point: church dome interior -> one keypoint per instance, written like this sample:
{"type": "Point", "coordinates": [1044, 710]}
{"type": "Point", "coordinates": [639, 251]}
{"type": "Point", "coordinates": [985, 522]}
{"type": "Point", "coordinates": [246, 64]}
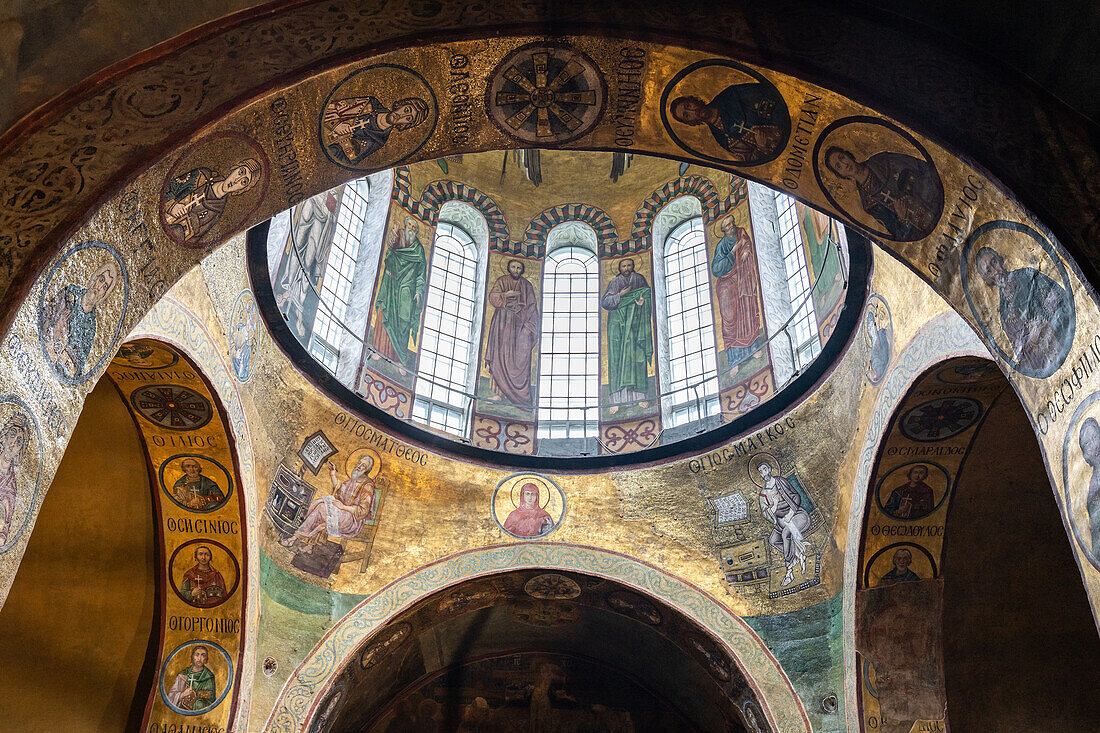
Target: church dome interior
{"type": "Point", "coordinates": [451, 367]}
{"type": "Point", "coordinates": [491, 299]}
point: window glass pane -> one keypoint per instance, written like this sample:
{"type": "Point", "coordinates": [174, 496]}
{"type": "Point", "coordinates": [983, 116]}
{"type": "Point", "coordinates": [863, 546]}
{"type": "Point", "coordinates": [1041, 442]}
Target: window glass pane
{"type": "Point", "coordinates": [569, 379]}
{"type": "Point", "coordinates": [334, 293]}
{"type": "Point", "coordinates": [803, 324]}
{"type": "Point", "coordinates": [442, 400]}
{"type": "Point", "coordinates": [690, 322]}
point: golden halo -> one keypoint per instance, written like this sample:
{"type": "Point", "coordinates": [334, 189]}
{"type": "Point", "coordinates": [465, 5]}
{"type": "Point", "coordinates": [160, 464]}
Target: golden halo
{"type": "Point", "coordinates": [529, 479]}
{"type": "Point", "coordinates": [354, 457]}
{"type": "Point", "coordinates": [754, 464]}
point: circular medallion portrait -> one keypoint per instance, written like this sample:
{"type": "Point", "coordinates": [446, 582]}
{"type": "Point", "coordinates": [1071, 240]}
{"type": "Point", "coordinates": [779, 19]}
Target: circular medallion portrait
{"type": "Point", "coordinates": [244, 335]}
{"type": "Point", "coordinates": [899, 563]}
{"type": "Point", "coordinates": [377, 117]}
{"type": "Point", "coordinates": [528, 505]}
{"type": "Point", "coordinates": [203, 573]}
{"type": "Point", "coordinates": [144, 354]}
{"type": "Point", "coordinates": [878, 335]}
{"type": "Point", "coordinates": [913, 490]}
{"type": "Point", "coordinates": [633, 605]}
{"type": "Point", "coordinates": [726, 112]}
{"type": "Point", "coordinates": [196, 677]}
{"type": "Point", "coordinates": [195, 483]}
{"type": "Point", "coordinates": [172, 406]}
{"type": "Point", "coordinates": [880, 177]}
{"type": "Point", "coordinates": [546, 94]}
{"type": "Point", "coordinates": [755, 721]}
{"type": "Point", "coordinates": [80, 311]}
{"type": "Point", "coordinates": [1081, 477]}
{"type": "Point", "coordinates": [1019, 292]}
{"type": "Point", "coordinates": [968, 372]}
{"type": "Point", "coordinates": [552, 586]}
{"type": "Point", "coordinates": [20, 467]}
{"type": "Point", "coordinates": [213, 188]}
{"type": "Point", "coordinates": [940, 419]}
{"type": "Point", "coordinates": [388, 641]}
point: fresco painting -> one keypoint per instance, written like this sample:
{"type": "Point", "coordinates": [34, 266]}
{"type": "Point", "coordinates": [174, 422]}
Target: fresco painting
{"type": "Point", "coordinates": [195, 482]}
{"type": "Point", "coordinates": [196, 677]}
{"type": "Point", "coordinates": [879, 176]}
{"type": "Point", "coordinates": [870, 171]}
{"type": "Point", "coordinates": [923, 449]}
{"type": "Point", "coordinates": [626, 305]}
{"type": "Point", "coordinates": [80, 310]}
{"type": "Point", "coordinates": [303, 260]}
{"type": "Point", "coordinates": [546, 94]}
{"type": "Point", "coordinates": [201, 524]}
{"type": "Point", "coordinates": [528, 506]}
{"type": "Point", "coordinates": [212, 188]}
{"type": "Point", "coordinates": [723, 111]}
{"type": "Point", "coordinates": [1081, 477]}
{"type": "Point", "coordinates": [399, 299]}
{"type": "Point", "coordinates": [20, 468]}
{"type": "Point", "coordinates": [145, 354]}
{"type": "Point", "coordinates": [1036, 317]}
{"type": "Point", "coordinates": [737, 286]}
{"type": "Point", "coordinates": [368, 108]}
{"type": "Point", "coordinates": [204, 573]}
{"type": "Point", "coordinates": [244, 335]}
{"type": "Point", "coordinates": [514, 332]}
{"type": "Point", "coordinates": [878, 335]}
{"type": "Point", "coordinates": [320, 533]}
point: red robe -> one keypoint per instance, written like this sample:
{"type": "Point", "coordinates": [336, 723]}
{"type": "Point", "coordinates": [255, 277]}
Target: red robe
{"type": "Point", "coordinates": [738, 289]}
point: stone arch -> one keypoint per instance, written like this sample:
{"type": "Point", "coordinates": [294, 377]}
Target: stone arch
{"type": "Point", "coordinates": [301, 697]}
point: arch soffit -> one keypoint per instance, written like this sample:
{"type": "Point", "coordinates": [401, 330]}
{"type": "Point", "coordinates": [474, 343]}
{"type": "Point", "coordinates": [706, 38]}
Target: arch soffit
{"type": "Point", "coordinates": [174, 323]}
{"type": "Point", "coordinates": [307, 686]}
{"type": "Point", "coordinates": [945, 337]}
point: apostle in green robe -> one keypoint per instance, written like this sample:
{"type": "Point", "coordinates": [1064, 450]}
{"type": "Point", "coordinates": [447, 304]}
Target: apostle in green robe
{"type": "Point", "coordinates": [400, 293]}
{"type": "Point", "coordinates": [628, 300]}
{"type": "Point", "coordinates": [194, 686]}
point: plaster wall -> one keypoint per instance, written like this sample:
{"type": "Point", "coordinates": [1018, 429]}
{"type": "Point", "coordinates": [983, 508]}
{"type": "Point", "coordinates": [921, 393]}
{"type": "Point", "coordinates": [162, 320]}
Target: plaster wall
{"type": "Point", "coordinates": [1019, 644]}
{"type": "Point", "coordinates": [76, 626]}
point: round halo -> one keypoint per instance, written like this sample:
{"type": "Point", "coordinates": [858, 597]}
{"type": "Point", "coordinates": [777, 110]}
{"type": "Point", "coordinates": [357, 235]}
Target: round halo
{"type": "Point", "coordinates": [523, 482]}
{"type": "Point", "coordinates": [754, 465]}
{"type": "Point", "coordinates": [354, 457]}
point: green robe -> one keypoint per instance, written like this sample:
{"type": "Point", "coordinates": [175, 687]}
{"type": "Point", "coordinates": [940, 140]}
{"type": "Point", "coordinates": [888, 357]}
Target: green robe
{"type": "Point", "coordinates": [201, 682]}
{"type": "Point", "coordinates": [629, 334]}
{"type": "Point", "coordinates": [403, 277]}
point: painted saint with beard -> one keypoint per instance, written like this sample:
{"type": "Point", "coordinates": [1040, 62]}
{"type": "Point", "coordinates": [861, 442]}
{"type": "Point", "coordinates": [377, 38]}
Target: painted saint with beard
{"type": "Point", "coordinates": [340, 514]}
{"type": "Point", "coordinates": [513, 333]}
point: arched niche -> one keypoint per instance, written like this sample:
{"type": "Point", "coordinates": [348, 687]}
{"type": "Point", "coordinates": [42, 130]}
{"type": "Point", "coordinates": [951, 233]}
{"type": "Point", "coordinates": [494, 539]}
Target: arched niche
{"type": "Point", "coordinates": [928, 593]}
{"type": "Point", "coordinates": [202, 562]}
{"type": "Point", "coordinates": [721, 649]}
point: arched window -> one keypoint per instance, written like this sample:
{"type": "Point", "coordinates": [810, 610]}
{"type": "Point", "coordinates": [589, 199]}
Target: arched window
{"type": "Point", "coordinates": [691, 385]}
{"type": "Point", "coordinates": [569, 356]}
{"type": "Point", "coordinates": [339, 271]}
{"type": "Point", "coordinates": [447, 348]}
{"type": "Point", "coordinates": [805, 339]}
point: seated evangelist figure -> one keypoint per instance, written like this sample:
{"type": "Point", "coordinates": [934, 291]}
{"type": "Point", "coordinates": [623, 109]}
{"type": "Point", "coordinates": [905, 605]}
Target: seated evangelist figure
{"type": "Point", "coordinates": [341, 514]}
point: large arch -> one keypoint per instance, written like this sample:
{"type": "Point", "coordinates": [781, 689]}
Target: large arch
{"type": "Point", "coordinates": [301, 698]}
{"type": "Point", "coordinates": [106, 138]}
{"type": "Point", "coordinates": [57, 197]}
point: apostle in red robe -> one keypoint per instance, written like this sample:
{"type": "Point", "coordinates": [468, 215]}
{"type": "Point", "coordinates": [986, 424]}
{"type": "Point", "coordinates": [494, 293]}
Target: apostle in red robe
{"type": "Point", "coordinates": [738, 285]}
{"type": "Point", "coordinates": [513, 333]}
